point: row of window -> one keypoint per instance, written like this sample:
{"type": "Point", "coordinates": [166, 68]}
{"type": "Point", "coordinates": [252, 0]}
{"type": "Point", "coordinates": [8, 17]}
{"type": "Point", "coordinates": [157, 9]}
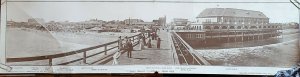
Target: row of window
{"type": "Point", "coordinates": [240, 20]}
{"type": "Point", "coordinates": [239, 27]}
{"type": "Point", "coordinates": [195, 35]}
{"type": "Point", "coordinates": [237, 33]}
{"type": "Point", "coordinates": [195, 28]}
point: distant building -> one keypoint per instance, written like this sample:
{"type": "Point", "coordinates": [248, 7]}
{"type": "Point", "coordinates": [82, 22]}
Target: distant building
{"type": "Point", "coordinates": [117, 22]}
{"type": "Point", "coordinates": [292, 25]}
{"type": "Point", "coordinates": [162, 21]}
{"type": "Point", "coordinates": [74, 26]}
{"type": "Point", "coordinates": [16, 24]}
{"type": "Point", "coordinates": [179, 23]}
{"type": "Point", "coordinates": [132, 21]}
{"type": "Point", "coordinates": [36, 22]}
{"type": "Point", "coordinates": [156, 23]}
{"type": "Point", "coordinates": [92, 23]}
{"type": "Point", "coordinates": [145, 24]}
{"type": "Point", "coordinates": [10, 23]}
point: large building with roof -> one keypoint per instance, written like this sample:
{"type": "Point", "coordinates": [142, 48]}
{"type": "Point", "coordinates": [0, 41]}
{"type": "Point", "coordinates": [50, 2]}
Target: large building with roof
{"type": "Point", "coordinates": [215, 25]}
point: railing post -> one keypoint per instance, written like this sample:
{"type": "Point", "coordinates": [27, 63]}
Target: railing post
{"type": "Point", "coordinates": [119, 44]}
{"type": "Point", "coordinates": [139, 39]}
{"type": "Point", "coordinates": [50, 61]}
{"type": "Point", "coordinates": [84, 57]}
{"type": "Point", "coordinates": [105, 49]}
{"type": "Point", "coordinates": [193, 59]}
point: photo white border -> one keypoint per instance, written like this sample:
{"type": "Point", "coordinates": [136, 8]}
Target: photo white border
{"type": "Point", "coordinates": [162, 69]}
{"type": "Point", "coordinates": [2, 35]}
{"type": "Point", "coordinates": [116, 69]}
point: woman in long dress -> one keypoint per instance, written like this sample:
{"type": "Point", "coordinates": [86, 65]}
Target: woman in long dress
{"type": "Point", "coordinates": [141, 43]}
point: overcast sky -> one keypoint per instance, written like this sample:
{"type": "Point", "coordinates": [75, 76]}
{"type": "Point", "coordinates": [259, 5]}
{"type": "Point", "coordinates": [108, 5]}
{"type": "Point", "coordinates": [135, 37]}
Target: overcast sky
{"type": "Point", "coordinates": [81, 11]}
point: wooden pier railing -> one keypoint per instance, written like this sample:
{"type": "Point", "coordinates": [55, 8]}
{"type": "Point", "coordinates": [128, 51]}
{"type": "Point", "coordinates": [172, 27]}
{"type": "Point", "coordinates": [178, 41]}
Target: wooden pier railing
{"type": "Point", "coordinates": [188, 54]}
{"type": "Point", "coordinates": [83, 51]}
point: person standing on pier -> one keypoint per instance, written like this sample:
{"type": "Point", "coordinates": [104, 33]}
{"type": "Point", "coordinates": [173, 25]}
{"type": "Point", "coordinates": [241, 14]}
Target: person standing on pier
{"type": "Point", "coordinates": [144, 39]}
{"type": "Point", "coordinates": [149, 43]}
{"type": "Point", "coordinates": [153, 35]}
{"type": "Point", "coordinates": [120, 43]}
{"type": "Point", "coordinates": [158, 43]}
{"type": "Point", "coordinates": [149, 34]}
{"type": "Point", "coordinates": [129, 47]}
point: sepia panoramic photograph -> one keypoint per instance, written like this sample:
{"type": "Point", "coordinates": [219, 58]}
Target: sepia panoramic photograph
{"type": "Point", "coordinates": [152, 33]}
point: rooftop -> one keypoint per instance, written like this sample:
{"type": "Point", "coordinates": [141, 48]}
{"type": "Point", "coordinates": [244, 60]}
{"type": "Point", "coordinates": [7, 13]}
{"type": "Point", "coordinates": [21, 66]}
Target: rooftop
{"type": "Point", "coordinates": [213, 12]}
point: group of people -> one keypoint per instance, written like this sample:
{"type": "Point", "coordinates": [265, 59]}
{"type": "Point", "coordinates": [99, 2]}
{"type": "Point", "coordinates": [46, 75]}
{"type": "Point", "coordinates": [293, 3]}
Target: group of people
{"type": "Point", "coordinates": [127, 46]}
{"type": "Point", "coordinates": [152, 36]}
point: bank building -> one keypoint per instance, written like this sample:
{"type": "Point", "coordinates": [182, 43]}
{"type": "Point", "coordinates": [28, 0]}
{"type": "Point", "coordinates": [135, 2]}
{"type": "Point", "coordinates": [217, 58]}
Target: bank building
{"type": "Point", "coordinates": [223, 25]}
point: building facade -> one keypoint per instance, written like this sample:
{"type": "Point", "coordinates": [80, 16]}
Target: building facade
{"type": "Point", "coordinates": [217, 25]}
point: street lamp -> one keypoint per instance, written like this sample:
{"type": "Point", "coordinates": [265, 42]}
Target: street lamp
{"type": "Point", "coordinates": [297, 6]}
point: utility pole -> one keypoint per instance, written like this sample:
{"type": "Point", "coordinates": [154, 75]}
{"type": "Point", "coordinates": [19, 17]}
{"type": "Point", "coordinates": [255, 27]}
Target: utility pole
{"type": "Point", "coordinates": [130, 25]}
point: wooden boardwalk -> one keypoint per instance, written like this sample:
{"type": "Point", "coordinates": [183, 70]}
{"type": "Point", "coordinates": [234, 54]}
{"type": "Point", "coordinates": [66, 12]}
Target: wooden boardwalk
{"type": "Point", "coordinates": [151, 56]}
